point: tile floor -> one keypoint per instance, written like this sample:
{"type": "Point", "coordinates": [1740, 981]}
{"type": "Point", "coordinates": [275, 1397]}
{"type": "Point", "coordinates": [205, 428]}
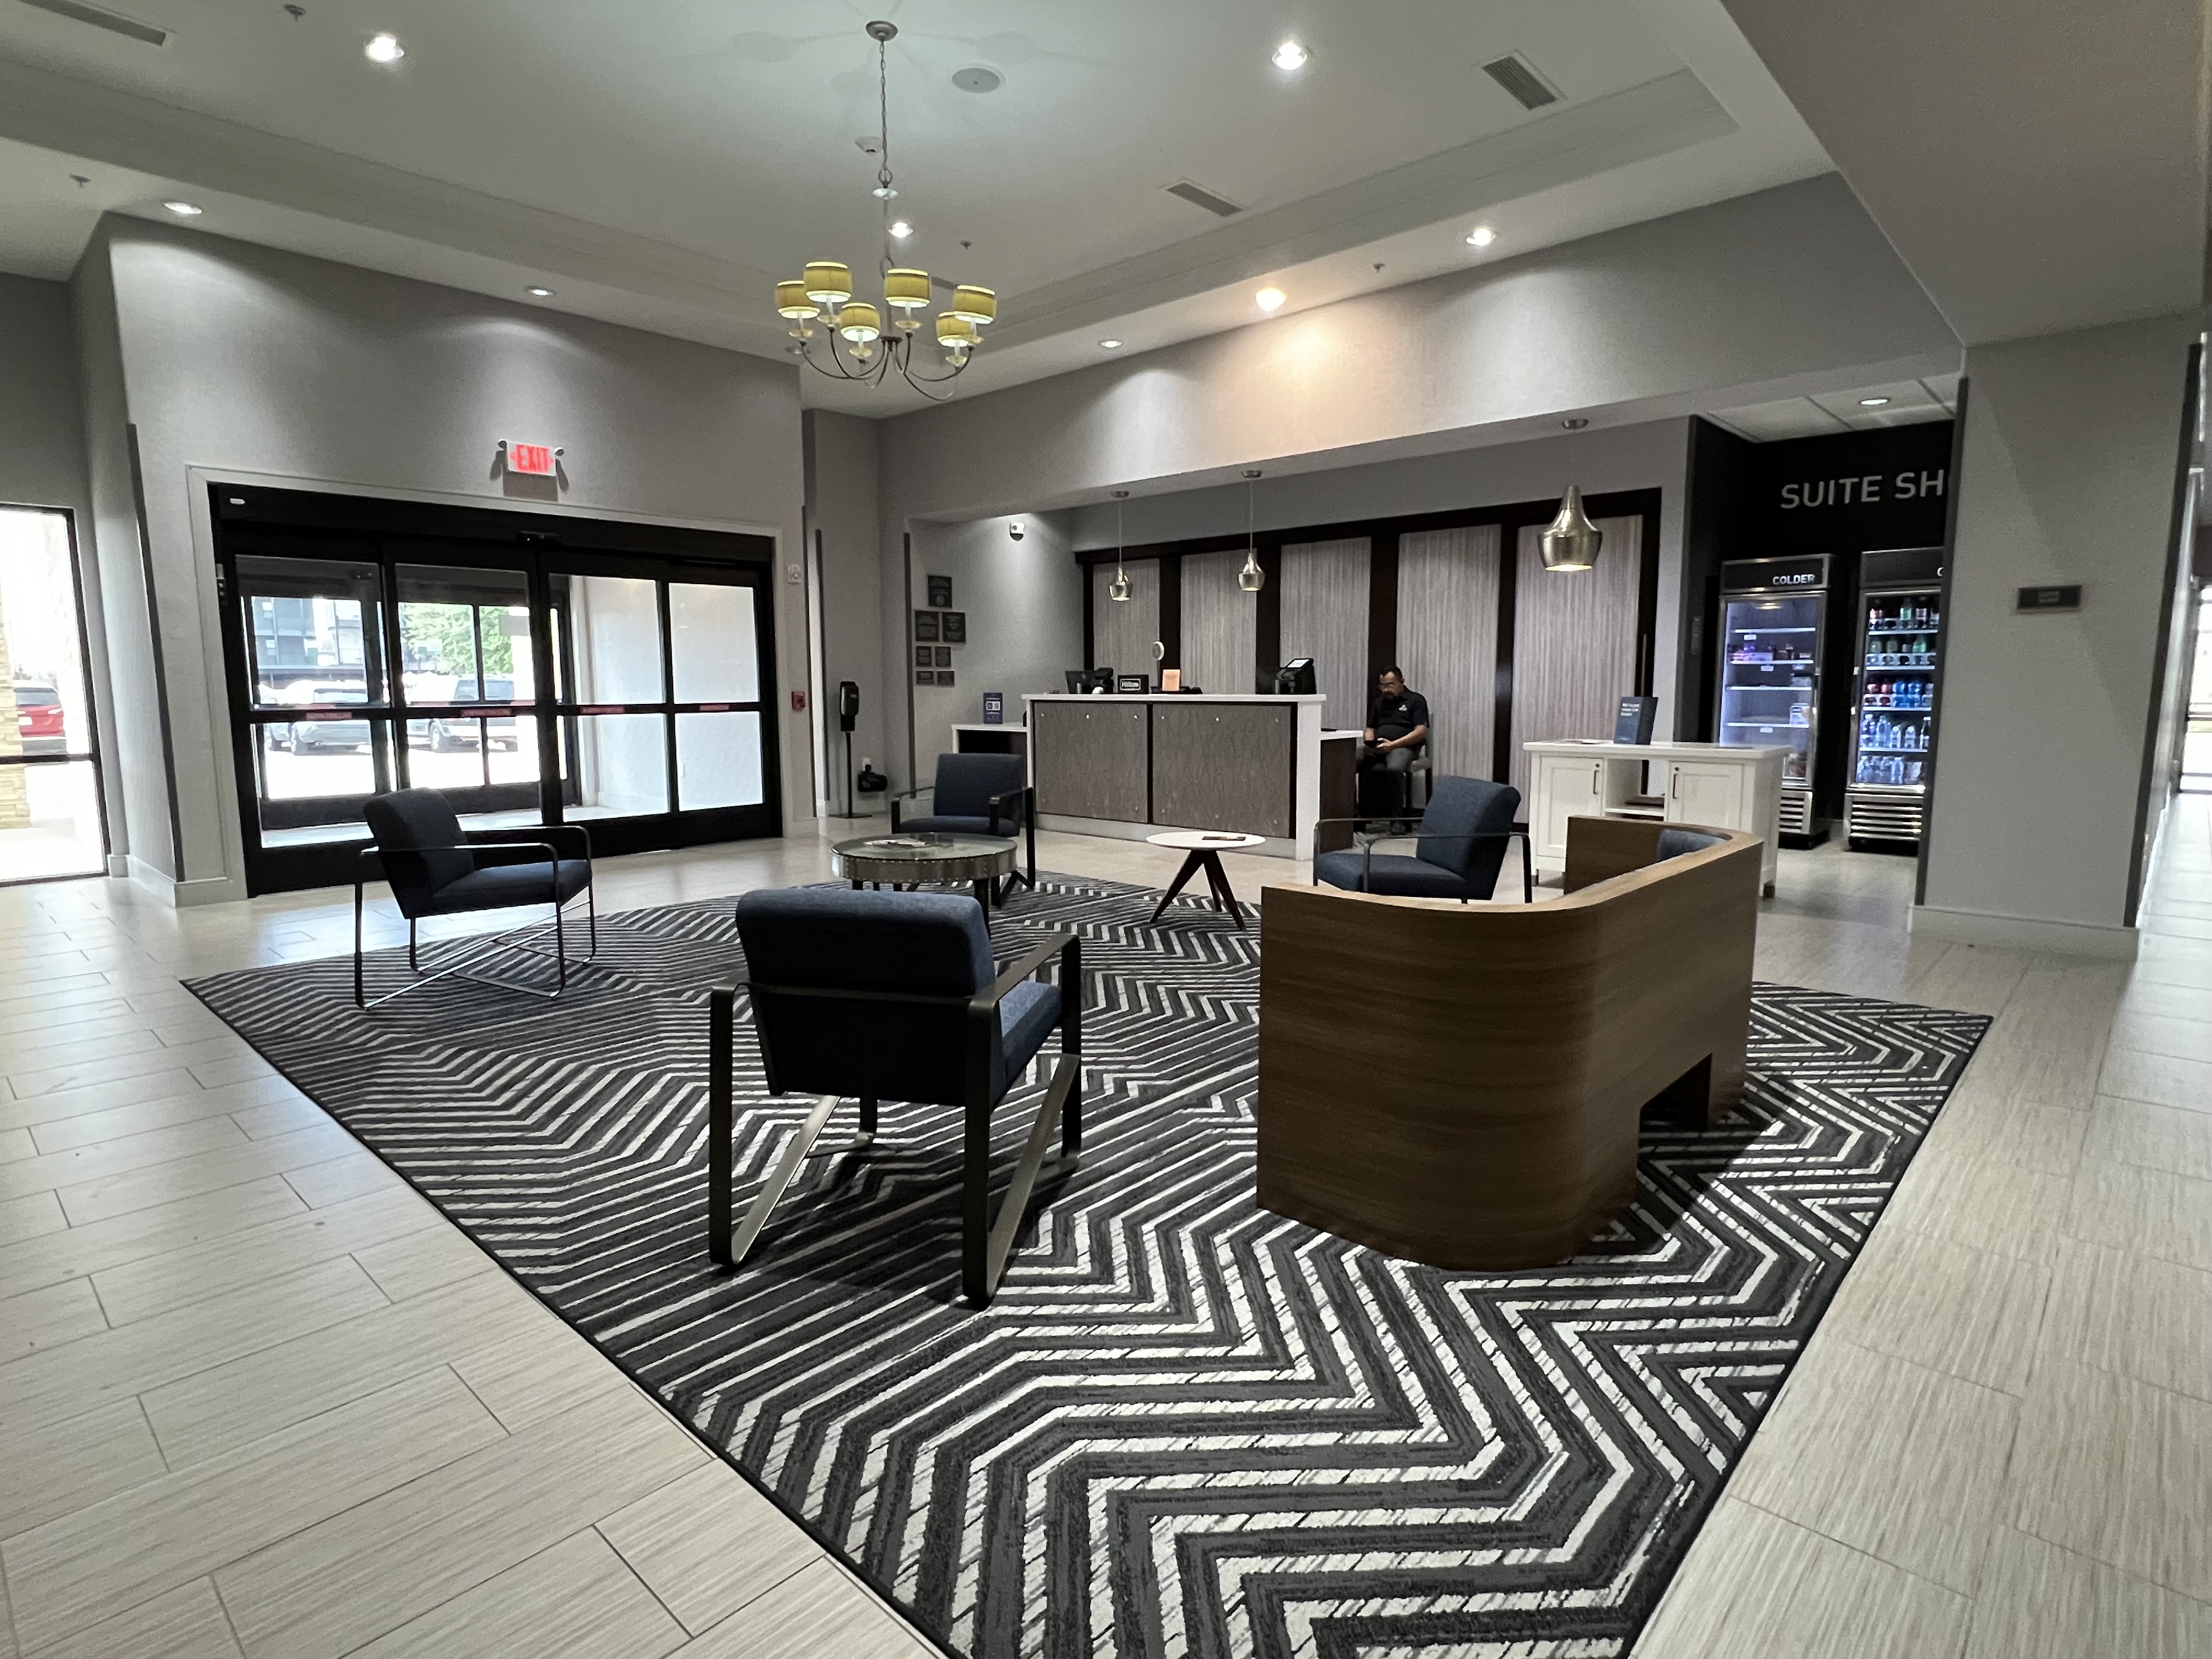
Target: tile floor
{"type": "Point", "coordinates": [257, 1398]}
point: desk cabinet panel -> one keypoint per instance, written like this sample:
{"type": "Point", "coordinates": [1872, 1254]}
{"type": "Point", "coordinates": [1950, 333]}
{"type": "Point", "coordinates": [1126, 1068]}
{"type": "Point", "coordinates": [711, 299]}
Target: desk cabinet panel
{"type": "Point", "coordinates": [1704, 792]}
{"type": "Point", "coordinates": [1565, 787]}
{"type": "Point", "coordinates": [1091, 759]}
{"type": "Point", "coordinates": [1223, 766]}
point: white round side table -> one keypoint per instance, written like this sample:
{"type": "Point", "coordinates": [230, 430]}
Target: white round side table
{"type": "Point", "coordinates": [1203, 850]}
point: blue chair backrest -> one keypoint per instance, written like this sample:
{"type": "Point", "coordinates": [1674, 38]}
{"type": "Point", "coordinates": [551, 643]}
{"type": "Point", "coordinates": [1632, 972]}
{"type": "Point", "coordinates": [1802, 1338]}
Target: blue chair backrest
{"type": "Point", "coordinates": [966, 783]}
{"type": "Point", "coordinates": [418, 841]}
{"type": "Point", "coordinates": [832, 939]}
{"type": "Point", "coordinates": [1464, 829]}
{"type": "Point", "coordinates": [1675, 844]}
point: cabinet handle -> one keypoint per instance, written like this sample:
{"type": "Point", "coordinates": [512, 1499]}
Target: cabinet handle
{"type": "Point", "coordinates": [1675, 784]}
{"type": "Point", "coordinates": [1597, 770]}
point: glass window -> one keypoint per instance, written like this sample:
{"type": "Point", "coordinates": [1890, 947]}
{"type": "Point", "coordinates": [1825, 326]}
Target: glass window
{"type": "Point", "coordinates": [715, 653]}
{"type": "Point", "coordinates": [718, 761]}
{"type": "Point", "coordinates": [613, 625]}
{"type": "Point", "coordinates": [464, 635]}
{"type": "Point", "coordinates": [614, 765]}
{"type": "Point", "coordinates": [312, 624]}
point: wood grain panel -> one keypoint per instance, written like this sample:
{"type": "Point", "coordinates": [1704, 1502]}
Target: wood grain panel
{"type": "Point", "coordinates": [1088, 758]}
{"type": "Point", "coordinates": [1122, 635]}
{"type": "Point", "coordinates": [1574, 641]}
{"type": "Point", "coordinates": [1325, 617]}
{"type": "Point", "coordinates": [1224, 766]}
{"type": "Point", "coordinates": [1221, 625]}
{"type": "Point", "coordinates": [1499, 1129]}
{"type": "Point", "coordinates": [1447, 641]}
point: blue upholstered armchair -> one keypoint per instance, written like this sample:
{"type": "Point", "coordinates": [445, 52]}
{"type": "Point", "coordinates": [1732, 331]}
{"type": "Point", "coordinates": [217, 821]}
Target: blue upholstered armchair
{"type": "Point", "coordinates": [895, 996]}
{"type": "Point", "coordinates": [980, 795]}
{"type": "Point", "coordinates": [1460, 847]}
{"type": "Point", "coordinates": [437, 869]}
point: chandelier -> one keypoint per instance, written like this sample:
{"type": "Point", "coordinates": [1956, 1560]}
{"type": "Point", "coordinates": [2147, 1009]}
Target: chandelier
{"type": "Point", "coordinates": [859, 347]}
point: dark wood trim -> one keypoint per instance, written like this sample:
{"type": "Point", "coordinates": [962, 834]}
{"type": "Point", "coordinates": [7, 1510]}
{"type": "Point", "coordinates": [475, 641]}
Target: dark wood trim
{"type": "Point", "coordinates": [1171, 635]}
{"type": "Point", "coordinates": [1267, 629]}
{"type": "Point", "coordinates": [1501, 709]}
{"type": "Point", "coordinates": [1381, 605]}
{"type": "Point", "coordinates": [1089, 622]}
{"type": "Point", "coordinates": [1647, 602]}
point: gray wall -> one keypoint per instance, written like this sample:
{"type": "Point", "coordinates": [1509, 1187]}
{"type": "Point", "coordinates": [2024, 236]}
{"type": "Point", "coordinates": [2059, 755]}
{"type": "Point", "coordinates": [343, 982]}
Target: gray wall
{"type": "Point", "coordinates": [1024, 604]}
{"type": "Point", "coordinates": [842, 488]}
{"type": "Point", "coordinates": [2068, 474]}
{"type": "Point", "coordinates": [238, 358]}
{"type": "Point", "coordinates": [41, 430]}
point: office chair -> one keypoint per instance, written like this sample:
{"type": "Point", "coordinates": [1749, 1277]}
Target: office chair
{"type": "Point", "coordinates": [1460, 841]}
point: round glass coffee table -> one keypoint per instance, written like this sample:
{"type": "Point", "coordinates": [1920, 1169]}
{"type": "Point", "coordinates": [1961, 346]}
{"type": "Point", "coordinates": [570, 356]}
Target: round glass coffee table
{"type": "Point", "coordinates": [1203, 850]}
{"type": "Point", "coordinates": [910, 860]}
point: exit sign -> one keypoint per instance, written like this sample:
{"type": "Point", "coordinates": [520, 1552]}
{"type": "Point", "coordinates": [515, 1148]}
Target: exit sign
{"type": "Point", "coordinates": [533, 459]}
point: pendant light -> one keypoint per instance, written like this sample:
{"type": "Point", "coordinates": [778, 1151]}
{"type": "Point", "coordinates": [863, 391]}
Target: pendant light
{"type": "Point", "coordinates": [1118, 589]}
{"type": "Point", "coordinates": [1251, 577]}
{"type": "Point", "coordinates": [1570, 542]}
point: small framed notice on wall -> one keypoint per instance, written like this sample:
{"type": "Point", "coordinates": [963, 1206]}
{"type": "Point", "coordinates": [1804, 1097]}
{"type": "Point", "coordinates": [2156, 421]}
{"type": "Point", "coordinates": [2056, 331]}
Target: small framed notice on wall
{"type": "Point", "coordinates": [940, 592]}
{"type": "Point", "coordinates": [943, 655]}
{"type": "Point", "coordinates": [925, 625]}
{"type": "Point", "coordinates": [924, 676]}
{"type": "Point", "coordinates": [945, 676]}
{"type": "Point", "coordinates": [956, 627]}
{"type": "Point", "coordinates": [925, 656]}
{"type": "Point", "coordinates": [2060, 596]}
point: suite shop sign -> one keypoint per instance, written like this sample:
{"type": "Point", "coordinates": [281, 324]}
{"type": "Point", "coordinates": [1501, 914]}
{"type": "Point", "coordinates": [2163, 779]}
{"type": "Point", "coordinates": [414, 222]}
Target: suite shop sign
{"type": "Point", "coordinates": [1886, 488]}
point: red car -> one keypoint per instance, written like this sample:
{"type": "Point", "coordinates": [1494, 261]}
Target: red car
{"type": "Point", "coordinates": [38, 719]}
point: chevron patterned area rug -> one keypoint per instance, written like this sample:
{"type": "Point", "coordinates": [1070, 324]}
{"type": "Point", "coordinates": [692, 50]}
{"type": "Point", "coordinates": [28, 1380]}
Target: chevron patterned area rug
{"type": "Point", "coordinates": [1186, 1426]}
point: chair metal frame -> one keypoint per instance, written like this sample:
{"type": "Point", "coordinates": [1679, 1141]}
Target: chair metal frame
{"type": "Point", "coordinates": [998, 803]}
{"type": "Point", "coordinates": [481, 948]}
{"type": "Point", "coordinates": [985, 1242]}
{"type": "Point", "coordinates": [1367, 847]}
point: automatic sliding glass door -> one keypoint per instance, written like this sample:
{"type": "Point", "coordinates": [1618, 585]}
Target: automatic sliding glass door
{"type": "Point", "coordinates": [468, 684]}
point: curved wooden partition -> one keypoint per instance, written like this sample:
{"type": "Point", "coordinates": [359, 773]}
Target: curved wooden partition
{"type": "Point", "coordinates": [1462, 1085]}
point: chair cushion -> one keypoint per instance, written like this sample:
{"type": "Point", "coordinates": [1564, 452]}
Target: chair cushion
{"type": "Point", "coordinates": [967, 783]}
{"type": "Point", "coordinates": [1026, 1020]}
{"type": "Point", "coordinates": [495, 886]}
{"type": "Point", "coordinates": [938, 824]}
{"type": "Point", "coordinates": [1394, 874]}
{"type": "Point", "coordinates": [1464, 827]}
{"type": "Point", "coordinates": [419, 844]}
{"type": "Point", "coordinates": [1674, 844]}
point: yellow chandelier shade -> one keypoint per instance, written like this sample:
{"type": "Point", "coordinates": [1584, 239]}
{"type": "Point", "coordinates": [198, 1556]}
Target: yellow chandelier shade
{"type": "Point", "coordinates": [906, 290]}
{"type": "Point", "coordinates": [792, 301]}
{"type": "Point", "coordinates": [860, 323]}
{"type": "Point", "coordinates": [828, 283]}
{"type": "Point", "coordinates": [956, 333]}
{"type": "Point", "coordinates": [978, 306]}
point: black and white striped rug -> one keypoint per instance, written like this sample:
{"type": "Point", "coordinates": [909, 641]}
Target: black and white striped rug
{"type": "Point", "coordinates": [1186, 1426]}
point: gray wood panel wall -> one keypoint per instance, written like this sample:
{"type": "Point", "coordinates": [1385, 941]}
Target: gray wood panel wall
{"type": "Point", "coordinates": [1122, 635]}
{"type": "Point", "coordinates": [1220, 625]}
{"type": "Point", "coordinates": [1324, 616]}
{"type": "Point", "coordinates": [1448, 583]}
{"type": "Point", "coordinates": [1091, 759]}
{"type": "Point", "coordinates": [1222, 765]}
{"type": "Point", "coordinates": [1574, 641]}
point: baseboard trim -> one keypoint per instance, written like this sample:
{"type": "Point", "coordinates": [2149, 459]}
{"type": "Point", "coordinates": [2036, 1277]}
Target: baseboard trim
{"type": "Point", "coordinates": [118, 865]}
{"type": "Point", "coordinates": [188, 895]}
{"type": "Point", "coordinates": [2079, 939]}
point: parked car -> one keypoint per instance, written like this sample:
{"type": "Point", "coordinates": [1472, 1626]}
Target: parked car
{"type": "Point", "coordinates": [310, 737]}
{"type": "Point", "coordinates": [443, 733]}
{"type": "Point", "coordinates": [40, 718]}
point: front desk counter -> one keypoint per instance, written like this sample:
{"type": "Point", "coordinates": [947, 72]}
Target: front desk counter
{"type": "Point", "coordinates": [1131, 766]}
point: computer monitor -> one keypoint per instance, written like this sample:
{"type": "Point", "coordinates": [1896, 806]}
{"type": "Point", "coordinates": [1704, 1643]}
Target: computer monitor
{"type": "Point", "coordinates": [1295, 678]}
{"type": "Point", "coordinates": [1078, 681]}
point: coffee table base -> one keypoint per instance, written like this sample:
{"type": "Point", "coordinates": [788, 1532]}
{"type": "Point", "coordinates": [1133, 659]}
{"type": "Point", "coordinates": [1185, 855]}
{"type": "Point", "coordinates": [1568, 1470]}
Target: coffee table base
{"type": "Point", "coordinates": [1225, 897]}
{"type": "Point", "coordinates": [984, 889]}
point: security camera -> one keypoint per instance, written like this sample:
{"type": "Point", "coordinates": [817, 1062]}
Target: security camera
{"type": "Point", "coordinates": [1014, 530]}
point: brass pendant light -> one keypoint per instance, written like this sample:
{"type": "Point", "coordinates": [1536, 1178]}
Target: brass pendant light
{"type": "Point", "coordinates": [1118, 589]}
{"type": "Point", "coordinates": [1251, 577]}
{"type": "Point", "coordinates": [1570, 542]}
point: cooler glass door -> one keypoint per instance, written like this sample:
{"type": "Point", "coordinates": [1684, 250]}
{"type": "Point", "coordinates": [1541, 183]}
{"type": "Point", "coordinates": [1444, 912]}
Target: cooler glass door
{"type": "Point", "coordinates": [1769, 678]}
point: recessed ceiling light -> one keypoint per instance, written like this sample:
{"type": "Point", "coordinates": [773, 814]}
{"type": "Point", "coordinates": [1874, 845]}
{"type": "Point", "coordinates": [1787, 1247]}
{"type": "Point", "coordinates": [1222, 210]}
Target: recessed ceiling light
{"type": "Point", "coordinates": [384, 49]}
{"type": "Point", "coordinates": [184, 210]}
{"type": "Point", "coordinates": [1872, 402]}
{"type": "Point", "coordinates": [1271, 298]}
{"type": "Point", "coordinates": [1111, 345]}
{"type": "Point", "coordinates": [1481, 236]}
{"type": "Point", "coordinates": [901, 229]}
{"type": "Point", "coordinates": [539, 293]}
{"type": "Point", "coordinates": [1291, 56]}
{"type": "Point", "coordinates": [978, 77]}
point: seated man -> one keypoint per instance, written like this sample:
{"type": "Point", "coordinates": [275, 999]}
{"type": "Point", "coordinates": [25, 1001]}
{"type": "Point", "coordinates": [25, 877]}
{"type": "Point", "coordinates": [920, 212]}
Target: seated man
{"type": "Point", "coordinates": [1397, 728]}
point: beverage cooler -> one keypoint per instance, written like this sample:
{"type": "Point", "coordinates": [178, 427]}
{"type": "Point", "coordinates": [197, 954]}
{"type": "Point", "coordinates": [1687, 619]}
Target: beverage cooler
{"type": "Point", "coordinates": [1893, 737]}
{"type": "Point", "coordinates": [1775, 623]}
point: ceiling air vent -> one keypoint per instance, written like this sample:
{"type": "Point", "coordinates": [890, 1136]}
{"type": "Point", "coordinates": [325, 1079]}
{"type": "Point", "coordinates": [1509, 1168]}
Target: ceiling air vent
{"type": "Point", "coordinates": [1199, 196]}
{"type": "Point", "coordinates": [1518, 76]}
{"type": "Point", "coordinates": [129, 28]}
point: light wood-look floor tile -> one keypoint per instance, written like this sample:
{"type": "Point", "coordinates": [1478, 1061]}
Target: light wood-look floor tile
{"type": "Point", "coordinates": [345, 1581]}
{"type": "Point", "coordinates": [2166, 1034]}
{"type": "Point", "coordinates": [59, 1252]}
{"type": "Point", "coordinates": [60, 1171]}
{"type": "Point", "coordinates": [2143, 1318]}
{"type": "Point", "coordinates": [543, 1369]}
{"type": "Point", "coordinates": [2117, 1470]}
{"type": "Point", "coordinates": [187, 1623]}
{"type": "Point", "coordinates": [206, 1172]}
{"type": "Point", "coordinates": [707, 1544]}
{"type": "Point", "coordinates": [1757, 1587]}
{"type": "Point", "coordinates": [29, 1217]}
{"type": "Point", "coordinates": [1951, 1308]}
{"type": "Point", "coordinates": [819, 1610]}
{"type": "Point", "coordinates": [56, 1468]}
{"type": "Point", "coordinates": [2038, 1601]}
{"type": "Point", "coordinates": [1889, 1457]}
{"type": "Point", "coordinates": [2006, 1208]}
{"type": "Point", "coordinates": [2165, 1080]}
{"type": "Point", "coordinates": [2152, 1213]}
{"type": "Point", "coordinates": [88, 1128]}
{"type": "Point", "coordinates": [420, 1260]}
{"type": "Point", "coordinates": [48, 1318]}
{"type": "Point", "coordinates": [129, 1549]}
{"type": "Point", "coordinates": [352, 1176]}
{"type": "Point", "coordinates": [100, 1098]}
{"type": "Point", "coordinates": [574, 1601]}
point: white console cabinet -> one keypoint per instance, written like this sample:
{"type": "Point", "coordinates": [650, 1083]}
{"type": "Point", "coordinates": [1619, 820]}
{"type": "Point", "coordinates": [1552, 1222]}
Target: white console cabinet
{"type": "Point", "coordinates": [1729, 788]}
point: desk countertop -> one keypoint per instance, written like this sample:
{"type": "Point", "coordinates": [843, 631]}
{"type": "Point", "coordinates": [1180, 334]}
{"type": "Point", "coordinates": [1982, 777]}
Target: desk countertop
{"type": "Point", "coordinates": [1605, 748]}
{"type": "Point", "coordinates": [1160, 697]}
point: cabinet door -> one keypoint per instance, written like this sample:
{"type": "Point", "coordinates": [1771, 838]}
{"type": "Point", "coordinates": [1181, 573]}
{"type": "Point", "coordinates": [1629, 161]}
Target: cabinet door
{"type": "Point", "coordinates": [1704, 792]}
{"type": "Point", "coordinates": [1566, 787]}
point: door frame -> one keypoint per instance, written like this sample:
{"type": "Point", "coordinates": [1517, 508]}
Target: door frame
{"type": "Point", "coordinates": [283, 520]}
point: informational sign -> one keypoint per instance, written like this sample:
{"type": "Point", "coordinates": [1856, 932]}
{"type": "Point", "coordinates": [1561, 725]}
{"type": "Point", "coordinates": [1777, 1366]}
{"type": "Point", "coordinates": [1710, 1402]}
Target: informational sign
{"type": "Point", "coordinates": [2062, 596]}
{"type": "Point", "coordinates": [995, 708]}
{"type": "Point", "coordinates": [1633, 723]}
{"type": "Point", "coordinates": [533, 460]}
{"type": "Point", "coordinates": [940, 592]}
